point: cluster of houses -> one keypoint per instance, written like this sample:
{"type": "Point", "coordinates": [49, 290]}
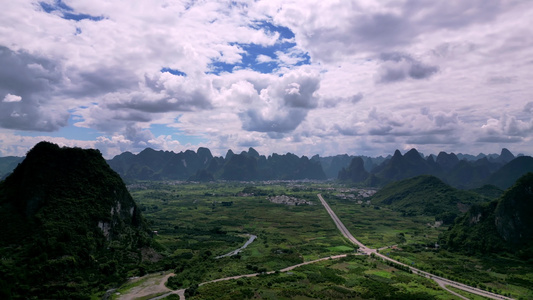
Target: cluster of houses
{"type": "Point", "coordinates": [355, 194]}
{"type": "Point", "coordinates": [289, 200]}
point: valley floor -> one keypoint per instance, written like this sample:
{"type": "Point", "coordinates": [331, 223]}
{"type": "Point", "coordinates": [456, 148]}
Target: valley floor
{"type": "Point", "coordinates": [300, 242]}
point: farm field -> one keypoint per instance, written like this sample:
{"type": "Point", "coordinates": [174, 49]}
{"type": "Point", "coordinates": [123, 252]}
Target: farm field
{"type": "Point", "coordinates": [196, 222]}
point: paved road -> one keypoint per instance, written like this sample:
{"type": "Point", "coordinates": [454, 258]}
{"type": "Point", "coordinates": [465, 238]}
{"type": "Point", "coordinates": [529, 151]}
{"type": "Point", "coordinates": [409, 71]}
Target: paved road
{"type": "Point", "coordinates": [235, 252]}
{"type": "Point", "coordinates": [181, 292]}
{"type": "Point", "coordinates": [439, 280]}
{"type": "Point", "coordinates": [343, 228]}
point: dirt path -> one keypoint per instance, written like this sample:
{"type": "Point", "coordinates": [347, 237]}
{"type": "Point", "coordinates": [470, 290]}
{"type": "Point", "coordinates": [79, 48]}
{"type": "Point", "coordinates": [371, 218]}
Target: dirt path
{"type": "Point", "coordinates": [152, 284]}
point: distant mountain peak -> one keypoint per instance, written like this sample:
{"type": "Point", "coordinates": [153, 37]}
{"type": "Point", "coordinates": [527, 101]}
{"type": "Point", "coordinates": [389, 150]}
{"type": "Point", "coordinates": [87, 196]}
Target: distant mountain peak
{"type": "Point", "coordinates": [506, 155]}
{"type": "Point", "coordinates": [253, 153]}
{"type": "Point", "coordinates": [447, 161]}
{"type": "Point", "coordinates": [148, 150]}
{"type": "Point", "coordinates": [229, 154]}
{"type": "Point", "coordinates": [412, 154]}
{"type": "Point", "coordinates": [397, 154]}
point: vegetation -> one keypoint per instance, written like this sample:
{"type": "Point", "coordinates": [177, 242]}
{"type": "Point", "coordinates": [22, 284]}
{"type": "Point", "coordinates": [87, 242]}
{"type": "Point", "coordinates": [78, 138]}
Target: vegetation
{"type": "Point", "coordinates": [309, 234]}
{"type": "Point", "coordinates": [507, 175]}
{"type": "Point", "coordinates": [69, 225]}
{"type": "Point", "coordinates": [353, 277]}
{"type": "Point", "coordinates": [195, 227]}
{"type": "Point", "coordinates": [501, 225]}
{"type": "Point", "coordinates": [419, 243]}
{"type": "Point", "coordinates": [427, 195]}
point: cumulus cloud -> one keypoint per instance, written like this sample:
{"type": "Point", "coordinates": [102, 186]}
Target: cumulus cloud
{"type": "Point", "coordinates": [417, 129]}
{"type": "Point", "coordinates": [282, 105]}
{"type": "Point", "coordinates": [261, 58]}
{"type": "Point", "coordinates": [506, 129]}
{"type": "Point", "coordinates": [366, 27]}
{"type": "Point", "coordinates": [283, 75]}
{"type": "Point", "coordinates": [12, 98]}
{"type": "Point", "coordinates": [400, 66]}
{"type": "Point", "coordinates": [433, 139]}
{"type": "Point", "coordinates": [328, 102]}
{"type": "Point", "coordinates": [99, 81]}
{"type": "Point", "coordinates": [160, 94]}
{"type": "Point", "coordinates": [29, 83]}
{"type": "Point", "coordinates": [272, 120]}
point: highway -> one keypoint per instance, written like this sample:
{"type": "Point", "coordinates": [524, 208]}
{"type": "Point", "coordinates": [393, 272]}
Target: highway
{"type": "Point", "coordinates": [441, 281]}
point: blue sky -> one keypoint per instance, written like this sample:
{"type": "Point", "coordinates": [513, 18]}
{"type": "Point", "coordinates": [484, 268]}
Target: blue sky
{"type": "Point", "coordinates": [307, 77]}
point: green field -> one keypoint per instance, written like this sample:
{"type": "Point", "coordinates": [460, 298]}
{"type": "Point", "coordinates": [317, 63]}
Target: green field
{"type": "Point", "coordinates": [354, 277]}
{"type": "Point", "coordinates": [197, 222]}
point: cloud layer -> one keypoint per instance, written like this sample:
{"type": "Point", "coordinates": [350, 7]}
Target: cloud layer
{"type": "Point", "coordinates": [326, 77]}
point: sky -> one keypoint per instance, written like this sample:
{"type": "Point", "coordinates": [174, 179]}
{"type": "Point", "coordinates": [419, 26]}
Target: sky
{"type": "Point", "coordinates": [307, 77]}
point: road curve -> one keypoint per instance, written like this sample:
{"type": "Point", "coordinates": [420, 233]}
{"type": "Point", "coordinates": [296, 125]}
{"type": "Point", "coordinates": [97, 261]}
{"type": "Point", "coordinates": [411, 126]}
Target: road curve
{"type": "Point", "coordinates": [441, 281]}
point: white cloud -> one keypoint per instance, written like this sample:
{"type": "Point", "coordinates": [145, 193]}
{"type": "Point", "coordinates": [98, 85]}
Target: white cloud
{"type": "Point", "coordinates": [261, 58]}
{"type": "Point", "coordinates": [458, 72]}
{"type": "Point", "coordinates": [12, 98]}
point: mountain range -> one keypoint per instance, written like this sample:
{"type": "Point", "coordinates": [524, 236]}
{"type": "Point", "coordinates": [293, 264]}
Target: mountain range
{"type": "Point", "coordinates": [460, 171]}
{"type": "Point", "coordinates": [501, 171]}
{"type": "Point", "coordinates": [202, 166]}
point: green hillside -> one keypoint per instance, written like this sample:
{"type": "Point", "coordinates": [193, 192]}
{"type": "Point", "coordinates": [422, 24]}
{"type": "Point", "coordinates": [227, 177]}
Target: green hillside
{"type": "Point", "coordinates": [505, 177]}
{"type": "Point", "coordinates": [426, 195]}
{"type": "Point", "coordinates": [505, 224]}
{"type": "Point", "coordinates": [68, 225]}
{"type": "Point", "coordinates": [489, 191]}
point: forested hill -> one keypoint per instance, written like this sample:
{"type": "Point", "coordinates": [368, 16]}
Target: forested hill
{"type": "Point", "coordinates": [202, 166]}
{"type": "Point", "coordinates": [427, 195]}
{"type": "Point", "coordinates": [505, 224]}
{"type": "Point", "coordinates": [68, 225]}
